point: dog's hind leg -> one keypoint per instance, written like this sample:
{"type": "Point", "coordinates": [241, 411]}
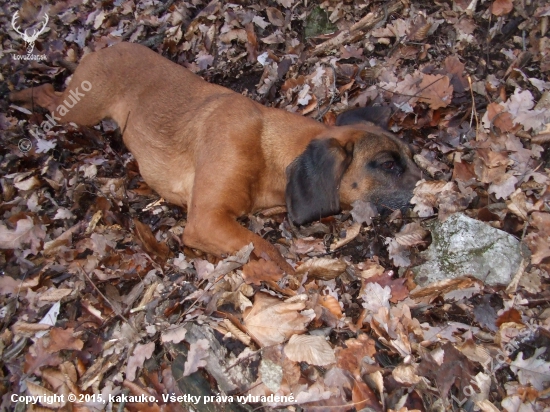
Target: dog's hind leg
{"type": "Point", "coordinates": [87, 100]}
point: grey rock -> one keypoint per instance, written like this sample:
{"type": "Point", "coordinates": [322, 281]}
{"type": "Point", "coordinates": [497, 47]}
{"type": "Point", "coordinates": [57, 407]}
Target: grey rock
{"type": "Point", "coordinates": [464, 246]}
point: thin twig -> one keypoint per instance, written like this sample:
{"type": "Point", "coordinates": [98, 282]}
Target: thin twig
{"type": "Point", "coordinates": [106, 299]}
{"type": "Point", "coordinates": [474, 111]}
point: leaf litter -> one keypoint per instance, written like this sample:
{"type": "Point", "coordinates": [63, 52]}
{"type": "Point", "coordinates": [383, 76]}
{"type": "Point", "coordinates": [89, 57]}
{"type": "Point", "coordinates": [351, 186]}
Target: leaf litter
{"type": "Point", "coordinates": [99, 295]}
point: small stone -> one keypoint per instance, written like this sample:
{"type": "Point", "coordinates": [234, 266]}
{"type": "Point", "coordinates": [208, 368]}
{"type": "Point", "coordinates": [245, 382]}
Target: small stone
{"type": "Point", "coordinates": [463, 246]}
{"type": "Point", "coordinates": [317, 23]}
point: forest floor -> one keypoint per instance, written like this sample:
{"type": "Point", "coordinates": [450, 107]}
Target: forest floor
{"type": "Point", "coordinates": [100, 300]}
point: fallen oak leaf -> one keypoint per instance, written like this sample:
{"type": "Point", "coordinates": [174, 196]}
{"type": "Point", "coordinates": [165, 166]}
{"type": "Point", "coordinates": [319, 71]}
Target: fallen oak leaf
{"type": "Point", "coordinates": [436, 91]}
{"type": "Point", "coordinates": [38, 356]}
{"type": "Point", "coordinates": [175, 334]}
{"type": "Point", "coordinates": [533, 370]}
{"type": "Point", "coordinates": [195, 358]}
{"type": "Point", "coordinates": [503, 186]}
{"type": "Point", "coordinates": [26, 232]}
{"type": "Point", "coordinates": [375, 296]}
{"type": "Point", "coordinates": [454, 369]}
{"type": "Point", "coordinates": [138, 356]}
{"type": "Point", "coordinates": [271, 321]}
{"type": "Point", "coordinates": [399, 290]}
{"type": "Point", "coordinates": [398, 253]}
{"type": "Point", "coordinates": [63, 339]}
{"type": "Point", "coordinates": [511, 315]}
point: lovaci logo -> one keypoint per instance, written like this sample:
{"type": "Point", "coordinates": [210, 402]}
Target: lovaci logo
{"type": "Point", "coordinates": [31, 38]}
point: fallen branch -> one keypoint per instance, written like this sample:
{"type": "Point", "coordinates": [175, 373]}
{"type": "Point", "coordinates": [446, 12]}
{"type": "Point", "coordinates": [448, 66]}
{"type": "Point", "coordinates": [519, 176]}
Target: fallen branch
{"type": "Point", "coordinates": [357, 31]}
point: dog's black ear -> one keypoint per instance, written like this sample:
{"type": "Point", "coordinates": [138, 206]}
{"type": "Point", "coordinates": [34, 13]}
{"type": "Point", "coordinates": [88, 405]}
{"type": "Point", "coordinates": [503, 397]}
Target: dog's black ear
{"type": "Point", "coordinates": [313, 180]}
{"type": "Point", "coordinates": [377, 114]}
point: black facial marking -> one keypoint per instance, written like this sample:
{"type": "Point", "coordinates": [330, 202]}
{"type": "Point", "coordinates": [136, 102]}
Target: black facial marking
{"type": "Point", "coordinates": [314, 178]}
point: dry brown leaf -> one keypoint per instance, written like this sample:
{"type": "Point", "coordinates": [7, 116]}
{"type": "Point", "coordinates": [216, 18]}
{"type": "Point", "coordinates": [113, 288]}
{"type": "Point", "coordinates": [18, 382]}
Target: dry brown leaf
{"type": "Point", "coordinates": [502, 7]}
{"type": "Point", "coordinates": [442, 287]}
{"type": "Point", "coordinates": [332, 304]}
{"type": "Point", "coordinates": [375, 297]}
{"type": "Point", "coordinates": [138, 356]}
{"type": "Point", "coordinates": [532, 281]}
{"type": "Point", "coordinates": [313, 350]}
{"type": "Point", "coordinates": [9, 286]}
{"type": "Point", "coordinates": [498, 116]}
{"type": "Point", "coordinates": [21, 328]}
{"type": "Point", "coordinates": [476, 353]}
{"type": "Point", "coordinates": [371, 269]}
{"type": "Point", "coordinates": [436, 91]}
{"type": "Point", "coordinates": [63, 339]}
{"type": "Point", "coordinates": [275, 16]}
{"type": "Point", "coordinates": [363, 397]}
{"type": "Point", "coordinates": [349, 358]}
{"type": "Point", "coordinates": [425, 196]}
{"type": "Point", "coordinates": [351, 233]}
{"type": "Point", "coordinates": [149, 242]}
{"type": "Point", "coordinates": [302, 246]}
{"type": "Point", "coordinates": [62, 379]}
{"type": "Point", "coordinates": [54, 295]}
{"type": "Point", "coordinates": [411, 234]}
{"type": "Point", "coordinates": [271, 321]}
{"type": "Point", "coordinates": [41, 393]}
{"type": "Point", "coordinates": [174, 334]}
{"type": "Point", "coordinates": [519, 205]}
{"type": "Point", "coordinates": [455, 370]}
{"type": "Point", "coordinates": [38, 356]}
{"type": "Point", "coordinates": [503, 185]}
{"type": "Point", "coordinates": [322, 268]}
{"type": "Point", "coordinates": [511, 315]}
{"type": "Point", "coordinates": [399, 254]}
{"type": "Point", "coordinates": [406, 374]}
{"type": "Point", "coordinates": [25, 232]}
{"type": "Point", "coordinates": [195, 357]}
{"type": "Point", "coordinates": [539, 246]}
{"type": "Point", "coordinates": [27, 184]}
{"type": "Point", "coordinates": [236, 332]}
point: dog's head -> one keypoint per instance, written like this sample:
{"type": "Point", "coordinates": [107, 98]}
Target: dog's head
{"type": "Point", "coordinates": [361, 161]}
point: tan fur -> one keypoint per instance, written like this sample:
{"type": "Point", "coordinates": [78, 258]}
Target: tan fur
{"type": "Point", "coordinates": [199, 144]}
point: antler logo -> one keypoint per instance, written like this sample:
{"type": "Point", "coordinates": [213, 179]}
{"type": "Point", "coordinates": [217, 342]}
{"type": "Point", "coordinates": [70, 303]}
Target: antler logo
{"type": "Point", "coordinates": [29, 39]}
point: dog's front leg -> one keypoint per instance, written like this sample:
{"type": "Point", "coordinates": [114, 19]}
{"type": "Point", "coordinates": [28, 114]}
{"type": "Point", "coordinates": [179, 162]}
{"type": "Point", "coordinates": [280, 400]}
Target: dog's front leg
{"type": "Point", "coordinates": [219, 233]}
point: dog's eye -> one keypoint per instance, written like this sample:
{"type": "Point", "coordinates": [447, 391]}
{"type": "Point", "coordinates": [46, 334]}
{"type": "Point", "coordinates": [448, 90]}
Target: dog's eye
{"type": "Point", "coordinates": [389, 165]}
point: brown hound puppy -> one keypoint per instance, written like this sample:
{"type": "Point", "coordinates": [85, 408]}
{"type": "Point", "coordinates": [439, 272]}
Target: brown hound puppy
{"type": "Point", "coordinates": [224, 155]}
